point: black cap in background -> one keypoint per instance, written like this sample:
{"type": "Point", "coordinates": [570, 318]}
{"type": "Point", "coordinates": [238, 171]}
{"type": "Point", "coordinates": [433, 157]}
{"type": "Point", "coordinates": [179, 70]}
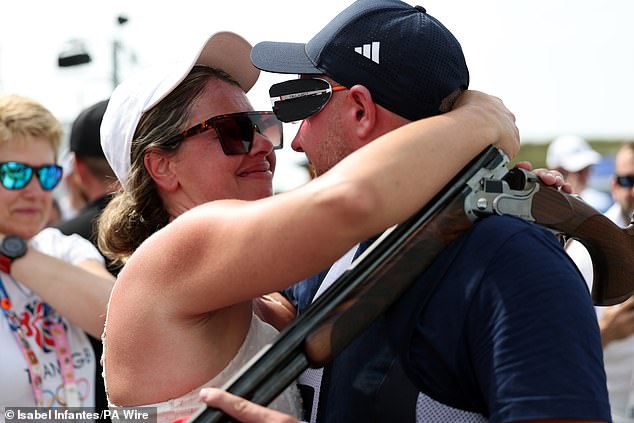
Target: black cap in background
{"type": "Point", "coordinates": [84, 135]}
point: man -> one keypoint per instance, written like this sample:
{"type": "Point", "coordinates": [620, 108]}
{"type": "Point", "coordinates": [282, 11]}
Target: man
{"type": "Point", "coordinates": [94, 180]}
{"type": "Point", "coordinates": [92, 176]}
{"type": "Point", "coordinates": [573, 156]}
{"type": "Point", "coordinates": [616, 322]}
{"type": "Point", "coordinates": [621, 185]}
{"type": "Point", "coordinates": [508, 320]}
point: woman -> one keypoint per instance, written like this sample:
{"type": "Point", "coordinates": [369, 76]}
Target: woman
{"type": "Point", "coordinates": [47, 303]}
{"type": "Point", "coordinates": [180, 316]}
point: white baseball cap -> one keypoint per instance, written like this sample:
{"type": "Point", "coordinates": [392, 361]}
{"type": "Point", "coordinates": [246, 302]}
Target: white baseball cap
{"type": "Point", "coordinates": [571, 153]}
{"type": "Point", "coordinates": [226, 51]}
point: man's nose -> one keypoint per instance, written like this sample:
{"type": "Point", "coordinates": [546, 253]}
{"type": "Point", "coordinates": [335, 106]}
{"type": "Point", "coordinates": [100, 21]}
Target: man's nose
{"type": "Point", "coordinates": [296, 145]}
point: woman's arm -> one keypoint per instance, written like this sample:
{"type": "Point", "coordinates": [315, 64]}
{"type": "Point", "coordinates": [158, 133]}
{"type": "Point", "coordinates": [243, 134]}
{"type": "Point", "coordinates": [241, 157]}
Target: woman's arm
{"type": "Point", "coordinates": [79, 294]}
{"type": "Point", "coordinates": [225, 252]}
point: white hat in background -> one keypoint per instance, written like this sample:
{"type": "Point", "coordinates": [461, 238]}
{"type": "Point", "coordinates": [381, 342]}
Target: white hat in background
{"type": "Point", "coordinates": [226, 51]}
{"type": "Point", "coordinates": [571, 153]}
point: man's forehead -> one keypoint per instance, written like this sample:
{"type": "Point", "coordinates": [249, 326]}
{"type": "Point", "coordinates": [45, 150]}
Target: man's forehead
{"type": "Point", "coordinates": [625, 167]}
{"type": "Point", "coordinates": [624, 161]}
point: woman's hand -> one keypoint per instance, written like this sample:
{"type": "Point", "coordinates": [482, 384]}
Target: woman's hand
{"type": "Point", "coordinates": [495, 116]}
{"type": "Point", "coordinates": [274, 309]}
{"type": "Point", "coordinates": [241, 409]}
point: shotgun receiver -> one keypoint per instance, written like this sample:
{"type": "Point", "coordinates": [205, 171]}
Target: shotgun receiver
{"type": "Point", "coordinates": [517, 192]}
{"type": "Point", "coordinates": [390, 265]}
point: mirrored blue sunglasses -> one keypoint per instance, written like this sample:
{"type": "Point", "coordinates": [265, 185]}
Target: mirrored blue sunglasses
{"type": "Point", "coordinates": [16, 175]}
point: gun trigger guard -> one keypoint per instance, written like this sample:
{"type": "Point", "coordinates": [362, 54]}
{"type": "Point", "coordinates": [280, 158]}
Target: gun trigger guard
{"type": "Point", "coordinates": [502, 192]}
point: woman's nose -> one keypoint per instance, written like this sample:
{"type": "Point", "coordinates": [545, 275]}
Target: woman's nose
{"type": "Point", "coordinates": [261, 144]}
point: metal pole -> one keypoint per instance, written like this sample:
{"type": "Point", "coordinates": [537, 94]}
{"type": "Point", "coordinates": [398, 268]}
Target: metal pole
{"type": "Point", "coordinates": [116, 45]}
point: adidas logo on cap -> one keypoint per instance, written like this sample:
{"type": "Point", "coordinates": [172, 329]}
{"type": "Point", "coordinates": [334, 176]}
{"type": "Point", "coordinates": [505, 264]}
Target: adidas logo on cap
{"type": "Point", "coordinates": [371, 51]}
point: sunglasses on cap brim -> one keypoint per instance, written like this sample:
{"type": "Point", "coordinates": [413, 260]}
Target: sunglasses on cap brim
{"type": "Point", "coordinates": [299, 99]}
{"type": "Point", "coordinates": [236, 131]}
{"type": "Point", "coordinates": [625, 181]}
{"type": "Point", "coordinates": [16, 175]}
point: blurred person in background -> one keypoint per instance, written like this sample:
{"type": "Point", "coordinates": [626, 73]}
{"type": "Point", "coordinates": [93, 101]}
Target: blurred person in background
{"type": "Point", "coordinates": [616, 322]}
{"type": "Point", "coordinates": [574, 158]}
{"type": "Point", "coordinates": [622, 185]}
{"type": "Point", "coordinates": [69, 196]}
{"type": "Point", "coordinates": [55, 216]}
{"type": "Point", "coordinates": [93, 180]}
{"type": "Point", "coordinates": [53, 287]}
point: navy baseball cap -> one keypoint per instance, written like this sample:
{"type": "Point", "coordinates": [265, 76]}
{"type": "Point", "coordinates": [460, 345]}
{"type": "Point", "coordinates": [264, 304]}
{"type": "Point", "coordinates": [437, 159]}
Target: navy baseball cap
{"type": "Point", "coordinates": [407, 59]}
{"type": "Point", "coordinates": [84, 134]}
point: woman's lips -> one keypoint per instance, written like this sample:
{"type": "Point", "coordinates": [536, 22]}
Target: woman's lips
{"type": "Point", "coordinates": [257, 169]}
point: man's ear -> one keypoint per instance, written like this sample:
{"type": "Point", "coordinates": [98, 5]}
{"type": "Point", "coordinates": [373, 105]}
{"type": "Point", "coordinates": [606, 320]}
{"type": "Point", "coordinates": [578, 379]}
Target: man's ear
{"type": "Point", "coordinates": [81, 171]}
{"type": "Point", "coordinates": [365, 112]}
{"type": "Point", "coordinates": [159, 165]}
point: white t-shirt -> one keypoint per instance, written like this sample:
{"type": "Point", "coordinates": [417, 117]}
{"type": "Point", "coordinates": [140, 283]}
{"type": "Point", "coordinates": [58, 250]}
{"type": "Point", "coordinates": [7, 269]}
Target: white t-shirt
{"type": "Point", "coordinates": [598, 199]}
{"type": "Point", "coordinates": [15, 386]}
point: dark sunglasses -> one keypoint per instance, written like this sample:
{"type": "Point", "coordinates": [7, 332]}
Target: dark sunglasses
{"type": "Point", "coordinates": [236, 131]}
{"type": "Point", "coordinates": [625, 181]}
{"type": "Point", "coordinates": [15, 175]}
{"type": "Point", "coordinates": [298, 99]}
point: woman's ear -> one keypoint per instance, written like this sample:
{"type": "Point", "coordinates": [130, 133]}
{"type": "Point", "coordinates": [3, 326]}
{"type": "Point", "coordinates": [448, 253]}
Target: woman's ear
{"type": "Point", "coordinates": [159, 165]}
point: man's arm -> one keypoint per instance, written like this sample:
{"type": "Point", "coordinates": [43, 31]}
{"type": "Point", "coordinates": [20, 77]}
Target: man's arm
{"type": "Point", "coordinates": [617, 322]}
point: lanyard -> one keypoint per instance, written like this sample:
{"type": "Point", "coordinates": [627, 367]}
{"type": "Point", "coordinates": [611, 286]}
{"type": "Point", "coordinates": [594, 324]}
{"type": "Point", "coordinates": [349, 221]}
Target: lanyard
{"type": "Point", "coordinates": [53, 321]}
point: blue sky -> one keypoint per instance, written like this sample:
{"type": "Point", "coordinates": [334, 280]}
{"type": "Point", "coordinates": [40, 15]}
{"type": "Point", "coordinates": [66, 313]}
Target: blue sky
{"type": "Point", "coordinates": [560, 65]}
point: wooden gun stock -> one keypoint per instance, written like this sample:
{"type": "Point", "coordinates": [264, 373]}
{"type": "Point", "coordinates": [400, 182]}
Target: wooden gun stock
{"type": "Point", "coordinates": [610, 247]}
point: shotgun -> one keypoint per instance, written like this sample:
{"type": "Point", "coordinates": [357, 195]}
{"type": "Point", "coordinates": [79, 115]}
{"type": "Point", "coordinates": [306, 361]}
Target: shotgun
{"type": "Point", "coordinates": [390, 265]}
{"type": "Point", "coordinates": [519, 193]}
